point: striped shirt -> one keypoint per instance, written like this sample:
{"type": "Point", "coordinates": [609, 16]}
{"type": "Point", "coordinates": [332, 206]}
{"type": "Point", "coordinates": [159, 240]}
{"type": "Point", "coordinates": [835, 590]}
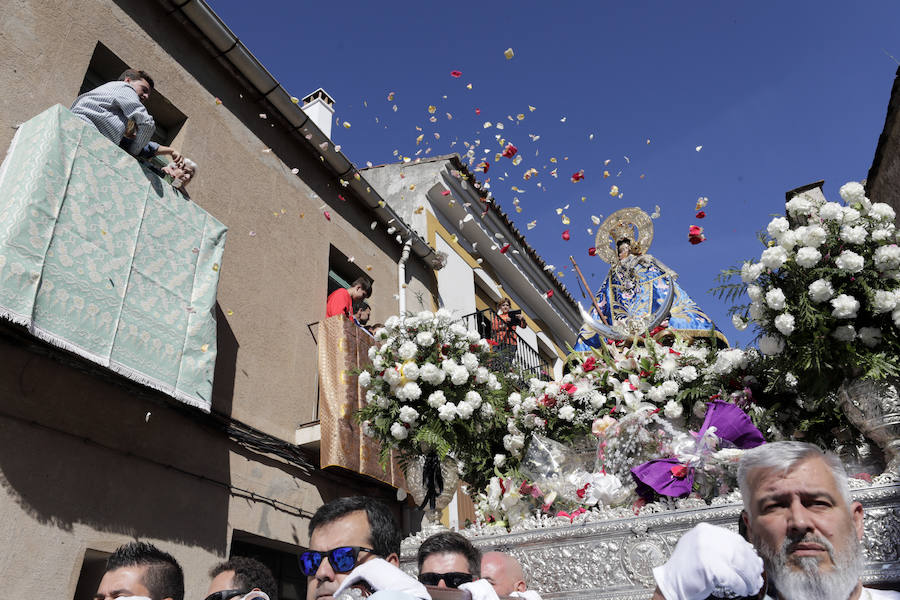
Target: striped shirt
{"type": "Point", "coordinates": [109, 107]}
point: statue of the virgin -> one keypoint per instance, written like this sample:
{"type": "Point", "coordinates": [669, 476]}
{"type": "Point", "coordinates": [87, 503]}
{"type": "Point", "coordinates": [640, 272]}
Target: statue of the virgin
{"type": "Point", "coordinates": [640, 294]}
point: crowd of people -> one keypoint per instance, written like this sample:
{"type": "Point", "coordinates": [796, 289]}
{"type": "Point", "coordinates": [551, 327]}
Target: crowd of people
{"type": "Point", "coordinates": [803, 542]}
{"type": "Point", "coordinates": [117, 109]}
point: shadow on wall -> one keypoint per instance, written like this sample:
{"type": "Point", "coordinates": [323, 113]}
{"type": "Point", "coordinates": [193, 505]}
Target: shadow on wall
{"type": "Point", "coordinates": [226, 364]}
{"type": "Point", "coordinates": [77, 449]}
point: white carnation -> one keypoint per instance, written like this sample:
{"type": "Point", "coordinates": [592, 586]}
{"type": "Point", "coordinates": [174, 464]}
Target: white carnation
{"type": "Point", "coordinates": [870, 336]}
{"type": "Point", "coordinates": [896, 317]}
{"type": "Point", "coordinates": [799, 205]}
{"type": "Point", "coordinates": [481, 375]}
{"type": "Point", "coordinates": [367, 429]}
{"type": "Point", "coordinates": [844, 333]}
{"type": "Point", "coordinates": [464, 410]}
{"type": "Point", "coordinates": [831, 211]}
{"type": "Point", "coordinates": [853, 234]}
{"type": "Point", "coordinates": [513, 443]}
{"type": "Point", "coordinates": [436, 399]}
{"type": "Point", "coordinates": [378, 362]}
{"type": "Point", "coordinates": [775, 299]}
{"type": "Point", "coordinates": [392, 322]}
{"type": "Point", "coordinates": [788, 240]}
{"type": "Point", "coordinates": [820, 290]}
{"type": "Point", "coordinates": [567, 413]}
{"type": "Point", "coordinates": [373, 350]}
{"type": "Point", "coordinates": [845, 306]}
{"type": "Point", "coordinates": [771, 345]}
{"type": "Point", "coordinates": [881, 234]}
{"type": "Point", "coordinates": [392, 376]}
{"type": "Point", "coordinates": [473, 398]}
{"type": "Point", "coordinates": [459, 375]}
{"type": "Point", "coordinates": [499, 460]}
{"type": "Point", "coordinates": [850, 261]}
{"type": "Point", "coordinates": [884, 301]}
{"type": "Point", "coordinates": [688, 373]}
{"type": "Point", "coordinates": [751, 271]}
{"type": "Point", "coordinates": [447, 412]}
{"type": "Point", "coordinates": [773, 257]}
{"type": "Point", "coordinates": [852, 191]}
{"type": "Point", "coordinates": [469, 361]}
{"type": "Point", "coordinates": [487, 411]}
{"type": "Point", "coordinates": [777, 226]}
{"type": "Point", "coordinates": [430, 373]}
{"type": "Point", "coordinates": [807, 257]}
{"type": "Point", "coordinates": [887, 258]}
{"type": "Point", "coordinates": [410, 371]}
{"type": "Point", "coordinates": [408, 414]}
{"type": "Point", "coordinates": [813, 236]}
{"type": "Point", "coordinates": [851, 215]}
{"type": "Point", "coordinates": [409, 391]}
{"type": "Point", "coordinates": [739, 323]}
{"type": "Point", "coordinates": [755, 293]}
{"type": "Point", "coordinates": [670, 388]}
{"type": "Point", "coordinates": [673, 409]}
{"type": "Point", "coordinates": [407, 350]}
{"type": "Point", "coordinates": [882, 212]}
{"type": "Point", "coordinates": [699, 409]}
{"type": "Point", "coordinates": [784, 323]}
{"type": "Point", "coordinates": [399, 431]}
{"type": "Point", "coordinates": [657, 394]}
{"type": "Point", "coordinates": [365, 379]}
{"type": "Point", "coordinates": [425, 338]}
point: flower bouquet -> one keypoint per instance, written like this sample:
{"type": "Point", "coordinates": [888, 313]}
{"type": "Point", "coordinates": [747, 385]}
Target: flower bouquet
{"type": "Point", "coordinates": [428, 394]}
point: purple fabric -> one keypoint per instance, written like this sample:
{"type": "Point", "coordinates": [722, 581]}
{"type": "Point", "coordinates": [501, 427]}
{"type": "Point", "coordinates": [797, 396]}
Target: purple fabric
{"type": "Point", "coordinates": [731, 424]}
{"type": "Point", "coordinates": [656, 476]}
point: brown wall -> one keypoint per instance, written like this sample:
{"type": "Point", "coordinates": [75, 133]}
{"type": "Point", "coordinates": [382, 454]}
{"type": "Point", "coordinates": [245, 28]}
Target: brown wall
{"type": "Point", "coordinates": [87, 462]}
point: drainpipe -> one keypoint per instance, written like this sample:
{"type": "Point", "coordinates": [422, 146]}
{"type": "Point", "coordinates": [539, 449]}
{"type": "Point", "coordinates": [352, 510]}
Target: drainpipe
{"type": "Point", "coordinates": [401, 276]}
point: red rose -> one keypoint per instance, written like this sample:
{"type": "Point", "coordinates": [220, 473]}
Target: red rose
{"type": "Point", "coordinates": [547, 401]}
{"type": "Point", "coordinates": [589, 365]}
{"type": "Point", "coordinates": [679, 471]}
{"type": "Point", "coordinates": [570, 389]}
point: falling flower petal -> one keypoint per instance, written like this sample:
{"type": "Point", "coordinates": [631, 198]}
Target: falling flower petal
{"type": "Point", "coordinates": [702, 201]}
{"type": "Point", "coordinates": [614, 191]}
{"type": "Point", "coordinates": [455, 73]}
{"type": "Point", "coordinates": [218, 102]}
{"type": "Point", "coordinates": [508, 53]}
{"type": "Point", "coordinates": [263, 116]}
{"type": "Point", "coordinates": [373, 225]}
{"type": "Point", "coordinates": [510, 151]}
{"type": "Point", "coordinates": [655, 214]}
{"type": "Point", "coordinates": [504, 248]}
{"type": "Point", "coordinates": [565, 220]}
{"type": "Point", "coordinates": [700, 215]}
{"type": "Point", "coordinates": [432, 108]}
{"type": "Point", "coordinates": [391, 96]}
{"type": "Point", "coordinates": [295, 170]}
{"type": "Point", "coordinates": [578, 176]}
{"type": "Point", "coordinates": [327, 215]}
{"type": "Point", "coordinates": [698, 149]}
{"type": "Point", "coordinates": [346, 124]}
{"type": "Point", "coordinates": [595, 219]}
{"type": "Point", "coordinates": [532, 224]}
{"type": "Point", "coordinates": [565, 235]}
{"type": "Point", "coordinates": [549, 294]}
{"type": "Point", "coordinates": [592, 251]}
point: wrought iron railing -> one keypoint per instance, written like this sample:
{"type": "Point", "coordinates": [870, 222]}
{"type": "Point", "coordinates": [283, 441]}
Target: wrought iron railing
{"type": "Point", "coordinates": [510, 353]}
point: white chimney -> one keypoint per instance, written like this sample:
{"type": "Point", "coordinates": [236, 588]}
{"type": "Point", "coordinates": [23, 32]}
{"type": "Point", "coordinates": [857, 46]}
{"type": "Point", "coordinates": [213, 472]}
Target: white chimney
{"type": "Point", "coordinates": [319, 106]}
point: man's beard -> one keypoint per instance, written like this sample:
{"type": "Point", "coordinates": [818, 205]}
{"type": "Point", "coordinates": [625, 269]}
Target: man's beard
{"type": "Point", "coordinates": [810, 581]}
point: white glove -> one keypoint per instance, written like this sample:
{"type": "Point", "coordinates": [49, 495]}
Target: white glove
{"type": "Point", "coordinates": [382, 575]}
{"type": "Point", "coordinates": [527, 594]}
{"type": "Point", "coordinates": [481, 589]}
{"type": "Point", "coordinates": [709, 559]}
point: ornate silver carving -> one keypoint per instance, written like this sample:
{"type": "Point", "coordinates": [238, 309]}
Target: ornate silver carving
{"type": "Point", "coordinates": [874, 407]}
{"type": "Point", "coordinates": [606, 554]}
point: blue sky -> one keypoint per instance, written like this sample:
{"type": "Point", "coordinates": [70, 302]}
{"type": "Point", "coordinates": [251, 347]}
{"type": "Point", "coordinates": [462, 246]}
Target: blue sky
{"type": "Point", "coordinates": [778, 94]}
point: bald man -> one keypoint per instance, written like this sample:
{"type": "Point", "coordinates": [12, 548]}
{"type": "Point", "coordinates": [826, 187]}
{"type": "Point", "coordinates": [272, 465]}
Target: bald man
{"type": "Point", "coordinates": [505, 573]}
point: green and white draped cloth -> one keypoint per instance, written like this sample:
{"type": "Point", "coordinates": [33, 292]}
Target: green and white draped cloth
{"type": "Point", "coordinates": [101, 257]}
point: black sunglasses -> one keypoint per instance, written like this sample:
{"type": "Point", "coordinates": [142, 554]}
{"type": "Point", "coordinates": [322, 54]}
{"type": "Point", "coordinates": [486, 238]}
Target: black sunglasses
{"type": "Point", "coordinates": [227, 594]}
{"type": "Point", "coordinates": [342, 559]}
{"type": "Point", "coordinates": [453, 580]}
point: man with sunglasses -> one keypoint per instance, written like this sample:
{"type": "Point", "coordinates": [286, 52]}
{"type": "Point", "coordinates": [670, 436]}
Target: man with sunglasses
{"type": "Point", "coordinates": [238, 576]}
{"type": "Point", "coordinates": [355, 540]}
{"type": "Point", "coordinates": [448, 560]}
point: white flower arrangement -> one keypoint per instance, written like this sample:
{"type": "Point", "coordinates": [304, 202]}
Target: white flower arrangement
{"type": "Point", "coordinates": [825, 292]}
{"type": "Point", "coordinates": [428, 388]}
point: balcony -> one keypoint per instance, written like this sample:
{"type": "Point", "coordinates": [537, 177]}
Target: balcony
{"type": "Point", "coordinates": [101, 257]}
{"type": "Point", "coordinates": [515, 356]}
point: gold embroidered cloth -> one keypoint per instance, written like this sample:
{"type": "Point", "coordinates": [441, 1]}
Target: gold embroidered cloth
{"type": "Point", "coordinates": [344, 347]}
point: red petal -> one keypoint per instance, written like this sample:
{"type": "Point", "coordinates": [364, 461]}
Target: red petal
{"type": "Point", "coordinates": [504, 248]}
{"type": "Point", "coordinates": [327, 215]}
{"type": "Point", "coordinates": [701, 215]}
{"type": "Point", "coordinates": [477, 111]}
{"type": "Point", "coordinates": [549, 293]}
{"type": "Point", "coordinates": [565, 235]}
{"type": "Point", "coordinates": [455, 73]}
{"type": "Point", "coordinates": [592, 251]}
{"type": "Point", "coordinates": [445, 193]}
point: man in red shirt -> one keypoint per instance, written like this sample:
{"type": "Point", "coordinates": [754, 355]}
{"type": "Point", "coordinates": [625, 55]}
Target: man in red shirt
{"type": "Point", "coordinates": [341, 300]}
